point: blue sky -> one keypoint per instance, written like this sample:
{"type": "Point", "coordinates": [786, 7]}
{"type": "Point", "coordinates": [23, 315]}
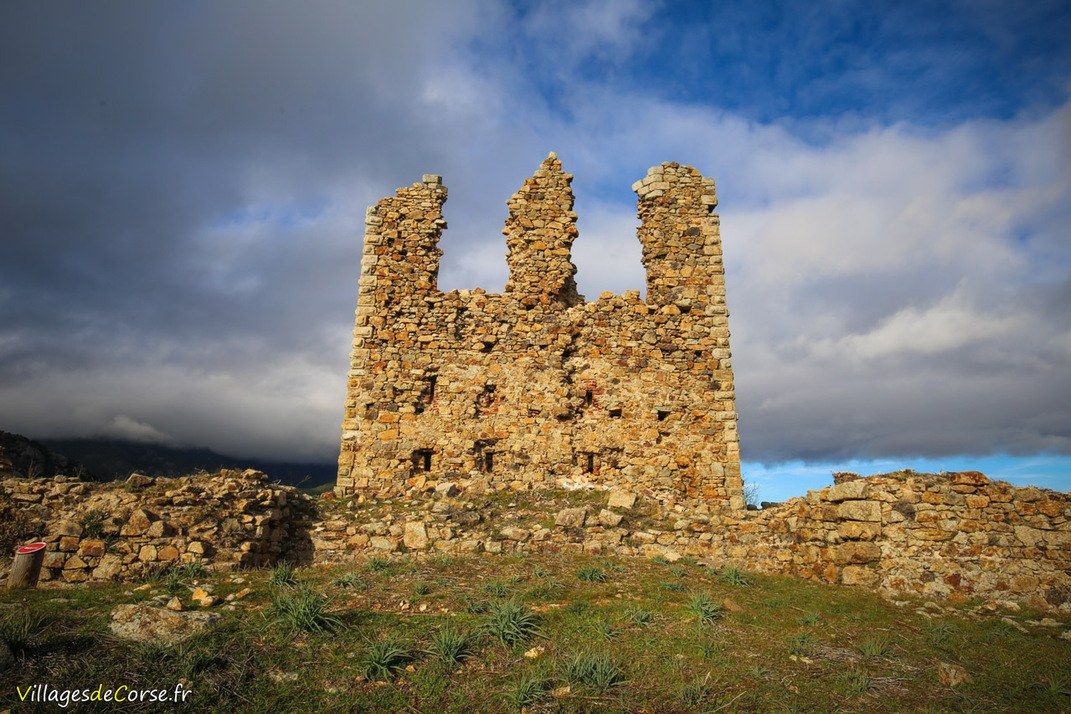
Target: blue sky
{"type": "Point", "coordinates": [183, 189]}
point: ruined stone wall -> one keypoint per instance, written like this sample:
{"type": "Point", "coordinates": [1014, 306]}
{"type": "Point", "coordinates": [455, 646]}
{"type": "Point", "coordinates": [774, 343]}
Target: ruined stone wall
{"type": "Point", "coordinates": [934, 536]}
{"type": "Point", "coordinates": [132, 529]}
{"type": "Point", "coordinates": [535, 387]}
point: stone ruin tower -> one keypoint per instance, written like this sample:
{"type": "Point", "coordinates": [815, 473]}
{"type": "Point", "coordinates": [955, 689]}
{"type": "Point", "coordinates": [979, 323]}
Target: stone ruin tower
{"type": "Point", "coordinates": [536, 387]}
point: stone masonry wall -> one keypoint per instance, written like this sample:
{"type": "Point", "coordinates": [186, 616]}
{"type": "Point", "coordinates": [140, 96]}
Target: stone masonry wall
{"type": "Point", "coordinates": [132, 529]}
{"type": "Point", "coordinates": [930, 535]}
{"type": "Point", "coordinates": [535, 387]}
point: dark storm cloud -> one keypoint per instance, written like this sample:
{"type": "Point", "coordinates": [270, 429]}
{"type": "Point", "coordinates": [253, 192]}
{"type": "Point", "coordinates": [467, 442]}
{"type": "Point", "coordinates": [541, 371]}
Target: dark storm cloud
{"type": "Point", "coordinates": [182, 189]}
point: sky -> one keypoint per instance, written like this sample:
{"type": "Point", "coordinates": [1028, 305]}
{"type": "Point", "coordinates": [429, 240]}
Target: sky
{"type": "Point", "coordinates": [182, 190]}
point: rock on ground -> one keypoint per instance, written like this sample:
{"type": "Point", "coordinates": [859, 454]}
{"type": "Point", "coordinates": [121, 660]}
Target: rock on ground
{"type": "Point", "coordinates": [147, 623]}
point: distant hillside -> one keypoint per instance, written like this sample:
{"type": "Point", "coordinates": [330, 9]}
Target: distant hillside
{"type": "Point", "coordinates": [32, 458]}
{"type": "Point", "coordinates": [103, 459]}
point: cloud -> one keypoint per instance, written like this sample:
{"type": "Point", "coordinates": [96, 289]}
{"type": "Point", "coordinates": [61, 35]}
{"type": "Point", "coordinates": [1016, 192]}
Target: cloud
{"type": "Point", "coordinates": [182, 222]}
{"type": "Point", "coordinates": [123, 427]}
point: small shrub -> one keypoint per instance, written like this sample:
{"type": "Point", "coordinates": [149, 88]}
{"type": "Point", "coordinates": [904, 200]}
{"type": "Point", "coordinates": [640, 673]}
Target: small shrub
{"type": "Point", "coordinates": [283, 575]}
{"type": "Point", "coordinates": [597, 670]}
{"type": "Point", "coordinates": [452, 646]}
{"type": "Point", "coordinates": [526, 691]}
{"type": "Point", "coordinates": [732, 575]}
{"type": "Point", "coordinates": [303, 610]}
{"type": "Point", "coordinates": [92, 523]}
{"type": "Point", "coordinates": [383, 658]}
{"type": "Point", "coordinates": [705, 608]}
{"type": "Point", "coordinates": [510, 622]}
{"type": "Point", "coordinates": [875, 648]}
{"type": "Point", "coordinates": [349, 579]}
{"type": "Point", "coordinates": [592, 575]}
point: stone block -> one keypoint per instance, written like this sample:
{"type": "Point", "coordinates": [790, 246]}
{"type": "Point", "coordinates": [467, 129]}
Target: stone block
{"type": "Point", "coordinates": [415, 536]}
{"type": "Point", "coordinates": [571, 517]}
{"type": "Point", "coordinates": [859, 510]}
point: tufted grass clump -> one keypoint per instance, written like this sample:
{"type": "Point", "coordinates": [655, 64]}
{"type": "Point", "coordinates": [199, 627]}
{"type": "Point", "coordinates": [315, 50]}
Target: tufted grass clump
{"type": "Point", "coordinates": [283, 575]}
{"type": "Point", "coordinates": [22, 630]}
{"type": "Point", "coordinates": [451, 645]}
{"type": "Point", "coordinates": [732, 575]}
{"type": "Point", "coordinates": [92, 523]}
{"type": "Point", "coordinates": [510, 622]}
{"type": "Point", "coordinates": [378, 565]}
{"type": "Point", "coordinates": [597, 670]}
{"type": "Point", "coordinates": [800, 645]}
{"type": "Point", "coordinates": [384, 658]}
{"type": "Point", "coordinates": [526, 691]}
{"type": "Point", "coordinates": [349, 579]}
{"type": "Point", "coordinates": [302, 610]}
{"type": "Point", "coordinates": [638, 616]}
{"type": "Point", "coordinates": [592, 575]}
{"type": "Point", "coordinates": [421, 589]}
{"type": "Point", "coordinates": [705, 608]}
{"type": "Point", "coordinates": [496, 588]}
{"type": "Point", "coordinates": [878, 647]}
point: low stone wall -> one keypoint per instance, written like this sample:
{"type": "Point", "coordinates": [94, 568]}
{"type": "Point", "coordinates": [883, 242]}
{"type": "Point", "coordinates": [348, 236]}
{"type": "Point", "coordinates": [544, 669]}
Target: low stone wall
{"type": "Point", "coordinates": [127, 530]}
{"type": "Point", "coordinates": [932, 535]}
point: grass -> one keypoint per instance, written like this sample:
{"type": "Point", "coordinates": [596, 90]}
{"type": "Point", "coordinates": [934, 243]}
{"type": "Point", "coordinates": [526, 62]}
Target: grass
{"type": "Point", "coordinates": [302, 610]}
{"type": "Point", "coordinates": [878, 647]}
{"type": "Point", "coordinates": [527, 690]}
{"type": "Point", "coordinates": [384, 658]}
{"type": "Point", "coordinates": [348, 579]}
{"type": "Point", "coordinates": [592, 575]}
{"type": "Point", "coordinates": [598, 670]}
{"type": "Point", "coordinates": [623, 645]}
{"type": "Point", "coordinates": [283, 574]}
{"type": "Point", "coordinates": [732, 575]}
{"type": "Point", "coordinates": [452, 646]}
{"type": "Point", "coordinates": [705, 608]}
{"type": "Point", "coordinates": [511, 622]}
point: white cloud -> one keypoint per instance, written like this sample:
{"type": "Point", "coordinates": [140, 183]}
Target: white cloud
{"type": "Point", "coordinates": [123, 427]}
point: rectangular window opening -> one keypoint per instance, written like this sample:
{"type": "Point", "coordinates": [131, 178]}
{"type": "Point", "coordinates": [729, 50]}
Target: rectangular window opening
{"type": "Point", "coordinates": [422, 460]}
{"type": "Point", "coordinates": [662, 414]}
{"type": "Point", "coordinates": [589, 463]}
{"type": "Point", "coordinates": [615, 413]}
{"type": "Point", "coordinates": [588, 398]}
{"type": "Point", "coordinates": [427, 394]}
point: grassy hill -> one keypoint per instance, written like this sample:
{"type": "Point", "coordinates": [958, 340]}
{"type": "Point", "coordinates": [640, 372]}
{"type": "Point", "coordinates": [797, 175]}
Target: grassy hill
{"type": "Point", "coordinates": [570, 633]}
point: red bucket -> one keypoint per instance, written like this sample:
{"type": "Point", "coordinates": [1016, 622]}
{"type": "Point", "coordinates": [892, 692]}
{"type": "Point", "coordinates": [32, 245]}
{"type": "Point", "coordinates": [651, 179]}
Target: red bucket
{"type": "Point", "coordinates": [30, 548]}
